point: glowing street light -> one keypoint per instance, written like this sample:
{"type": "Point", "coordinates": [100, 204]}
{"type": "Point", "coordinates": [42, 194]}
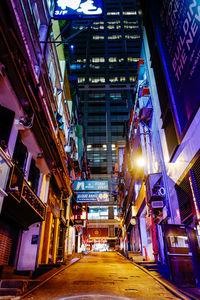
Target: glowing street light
{"type": "Point", "coordinates": [140, 161]}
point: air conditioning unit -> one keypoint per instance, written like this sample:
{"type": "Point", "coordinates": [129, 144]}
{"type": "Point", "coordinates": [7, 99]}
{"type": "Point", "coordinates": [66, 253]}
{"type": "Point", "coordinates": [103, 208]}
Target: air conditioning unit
{"type": "Point", "coordinates": [154, 189]}
{"type": "Point", "coordinates": [157, 204]}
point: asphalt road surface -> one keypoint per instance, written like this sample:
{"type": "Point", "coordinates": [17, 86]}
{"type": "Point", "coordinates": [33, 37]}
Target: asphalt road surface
{"type": "Point", "coordinates": [101, 276]}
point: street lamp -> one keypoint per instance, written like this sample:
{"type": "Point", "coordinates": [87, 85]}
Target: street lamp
{"type": "Point", "coordinates": [140, 161]}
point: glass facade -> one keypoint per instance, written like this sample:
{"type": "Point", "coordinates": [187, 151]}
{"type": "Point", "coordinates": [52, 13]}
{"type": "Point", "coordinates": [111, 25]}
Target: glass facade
{"type": "Point", "coordinates": [105, 60]}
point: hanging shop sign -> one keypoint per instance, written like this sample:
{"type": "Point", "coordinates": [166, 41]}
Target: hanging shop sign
{"type": "Point", "coordinates": [93, 197]}
{"type": "Point", "coordinates": [87, 185]}
{"type": "Point", "coordinates": [77, 8]}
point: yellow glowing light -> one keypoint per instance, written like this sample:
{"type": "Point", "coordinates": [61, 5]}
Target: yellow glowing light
{"type": "Point", "coordinates": [140, 161]}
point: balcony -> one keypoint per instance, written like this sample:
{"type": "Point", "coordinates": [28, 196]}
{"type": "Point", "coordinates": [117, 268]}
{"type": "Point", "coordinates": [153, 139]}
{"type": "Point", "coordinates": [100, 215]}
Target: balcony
{"type": "Point", "coordinates": [22, 204]}
{"type": "Point", "coordinates": [5, 166]}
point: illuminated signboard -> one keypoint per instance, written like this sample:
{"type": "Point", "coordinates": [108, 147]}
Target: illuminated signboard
{"type": "Point", "coordinates": [178, 30]}
{"type": "Point", "coordinates": [77, 8]}
{"type": "Point", "coordinates": [87, 185]}
{"type": "Point", "coordinates": [93, 197]}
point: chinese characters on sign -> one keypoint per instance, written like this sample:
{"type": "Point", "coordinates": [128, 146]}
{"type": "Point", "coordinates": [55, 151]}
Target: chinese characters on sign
{"type": "Point", "coordinates": [76, 8]}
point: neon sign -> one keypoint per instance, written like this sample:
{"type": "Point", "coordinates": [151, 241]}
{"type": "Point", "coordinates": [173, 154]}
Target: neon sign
{"type": "Point", "coordinates": [77, 8]}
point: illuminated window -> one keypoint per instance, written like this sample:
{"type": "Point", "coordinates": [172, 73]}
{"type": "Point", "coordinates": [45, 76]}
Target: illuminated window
{"type": "Point", "coordinates": [81, 60]}
{"type": "Point", "coordinates": [98, 23]}
{"type": "Point", "coordinates": [130, 22]}
{"type": "Point", "coordinates": [97, 59]}
{"type": "Point", "coordinates": [130, 26]}
{"type": "Point", "coordinates": [132, 59]}
{"type": "Point", "coordinates": [122, 79]}
{"type": "Point", "coordinates": [132, 37]}
{"type": "Point", "coordinates": [89, 147]}
{"type": "Point", "coordinates": [113, 79]}
{"type": "Point", "coordinates": [129, 13]}
{"type": "Point", "coordinates": [97, 79]}
{"type": "Point", "coordinates": [132, 78]}
{"type": "Point", "coordinates": [112, 59]}
{"type": "Point", "coordinates": [81, 79]}
{"type": "Point", "coordinates": [121, 59]}
{"type": "Point", "coordinates": [98, 37]}
{"type": "Point", "coordinates": [113, 22]}
{"type": "Point", "coordinates": [113, 13]}
{"type": "Point", "coordinates": [114, 37]}
{"type": "Point", "coordinates": [110, 27]}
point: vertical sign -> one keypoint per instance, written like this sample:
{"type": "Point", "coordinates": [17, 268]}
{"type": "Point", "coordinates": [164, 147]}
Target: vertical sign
{"type": "Point", "coordinates": [178, 27]}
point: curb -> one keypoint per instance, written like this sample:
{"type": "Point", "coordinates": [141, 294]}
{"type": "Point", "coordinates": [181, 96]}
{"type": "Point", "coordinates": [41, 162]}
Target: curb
{"type": "Point", "coordinates": [45, 280]}
{"type": "Point", "coordinates": [170, 288]}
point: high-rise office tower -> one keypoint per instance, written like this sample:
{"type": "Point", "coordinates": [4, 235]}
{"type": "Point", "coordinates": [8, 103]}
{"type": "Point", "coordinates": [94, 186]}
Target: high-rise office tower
{"type": "Point", "coordinates": [104, 58]}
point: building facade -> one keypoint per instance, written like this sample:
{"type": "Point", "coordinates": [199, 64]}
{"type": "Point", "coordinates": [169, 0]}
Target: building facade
{"type": "Point", "coordinates": [37, 144]}
{"type": "Point", "coordinates": [163, 127]}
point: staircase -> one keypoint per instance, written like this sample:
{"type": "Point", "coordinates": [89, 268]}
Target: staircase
{"type": "Point", "coordinates": [15, 283]}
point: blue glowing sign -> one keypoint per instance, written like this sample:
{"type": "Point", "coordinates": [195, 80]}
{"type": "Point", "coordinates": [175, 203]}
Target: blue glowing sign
{"type": "Point", "coordinates": [178, 28]}
{"type": "Point", "coordinates": [77, 8]}
{"type": "Point", "coordinates": [87, 185]}
{"type": "Point", "coordinates": [93, 197]}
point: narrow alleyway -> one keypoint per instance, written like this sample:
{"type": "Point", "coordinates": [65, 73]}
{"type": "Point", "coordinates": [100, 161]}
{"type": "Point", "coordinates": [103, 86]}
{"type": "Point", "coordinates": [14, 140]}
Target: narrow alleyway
{"type": "Point", "coordinates": [98, 276]}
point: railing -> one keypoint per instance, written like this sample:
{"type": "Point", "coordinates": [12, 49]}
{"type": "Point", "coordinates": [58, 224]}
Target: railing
{"type": "Point", "coordinates": [33, 200]}
{"type": "Point", "coordinates": [20, 189]}
{"type": "Point", "coordinates": [5, 166]}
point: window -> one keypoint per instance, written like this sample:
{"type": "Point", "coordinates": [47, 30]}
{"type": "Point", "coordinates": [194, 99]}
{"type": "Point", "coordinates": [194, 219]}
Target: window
{"type": "Point", "coordinates": [97, 147]}
{"type": "Point", "coordinates": [20, 153]}
{"type": "Point", "coordinates": [132, 37]}
{"type": "Point", "coordinates": [6, 117]}
{"type": "Point", "coordinates": [96, 123]}
{"type": "Point", "coordinates": [113, 79]}
{"type": "Point", "coordinates": [114, 37]}
{"type": "Point", "coordinates": [34, 176]}
{"type": "Point", "coordinates": [130, 26]}
{"type": "Point", "coordinates": [129, 13]}
{"type": "Point", "coordinates": [36, 15]}
{"type": "Point", "coordinates": [97, 59]}
{"type": "Point", "coordinates": [98, 37]}
{"type": "Point", "coordinates": [97, 114]}
{"type": "Point", "coordinates": [81, 79]}
{"type": "Point", "coordinates": [81, 60]}
{"type": "Point", "coordinates": [115, 96]}
{"type": "Point", "coordinates": [132, 59]}
{"type": "Point", "coordinates": [97, 79]}
{"type": "Point", "coordinates": [112, 59]}
{"type": "Point", "coordinates": [132, 78]}
{"type": "Point", "coordinates": [122, 79]}
{"type": "Point", "coordinates": [113, 13]}
{"type": "Point", "coordinates": [98, 213]}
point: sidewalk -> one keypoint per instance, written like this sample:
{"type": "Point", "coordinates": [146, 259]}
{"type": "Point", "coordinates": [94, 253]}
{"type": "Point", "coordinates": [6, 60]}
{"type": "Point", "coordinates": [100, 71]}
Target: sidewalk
{"type": "Point", "coordinates": [161, 273]}
{"type": "Point", "coordinates": [18, 288]}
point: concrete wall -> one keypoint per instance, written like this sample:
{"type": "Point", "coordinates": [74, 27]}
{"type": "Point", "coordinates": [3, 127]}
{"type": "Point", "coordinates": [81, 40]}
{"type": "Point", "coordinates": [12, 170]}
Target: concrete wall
{"type": "Point", "coordinates": [28, 251]}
